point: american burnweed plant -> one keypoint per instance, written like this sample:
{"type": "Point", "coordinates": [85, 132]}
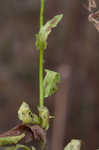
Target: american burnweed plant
{"type": "Point", "coordinates": [34, 126]}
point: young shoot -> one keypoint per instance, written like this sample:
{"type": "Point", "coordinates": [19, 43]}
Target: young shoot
{"type": "Point", "coordinates": [36, 124]}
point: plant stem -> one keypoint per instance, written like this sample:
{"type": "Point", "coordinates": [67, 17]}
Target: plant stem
{"type": "Point", "coordinates": [42, 13]}
{"type": "Point", "coordinates": [41, 79]}
{"type": "Point", "coordinates": [41, 57]}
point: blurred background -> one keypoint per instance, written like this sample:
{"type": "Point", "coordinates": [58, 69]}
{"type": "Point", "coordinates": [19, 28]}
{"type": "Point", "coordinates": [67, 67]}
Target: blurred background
{"type": "Point", "coordinates": [72, 50]}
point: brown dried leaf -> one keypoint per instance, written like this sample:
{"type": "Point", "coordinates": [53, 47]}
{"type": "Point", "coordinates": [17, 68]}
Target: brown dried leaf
{"type": "Point", "coordinates": [94, 19]}
{"type": "Point", "coordinates": [92, 5]}
{"type": "Point", "coordinates": [32, 132]}
{"type": "Point", "coordinates": [94, 13]}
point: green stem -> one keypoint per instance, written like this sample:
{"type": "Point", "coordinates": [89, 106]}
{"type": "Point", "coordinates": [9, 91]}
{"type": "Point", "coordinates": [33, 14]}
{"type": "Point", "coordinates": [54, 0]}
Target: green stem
{"type": "Point", "coordinates": [41, 79]}
{"type": "Point", "coordinates": [42, 13]}
{"type": "Point", "coordinates": [41, 57]}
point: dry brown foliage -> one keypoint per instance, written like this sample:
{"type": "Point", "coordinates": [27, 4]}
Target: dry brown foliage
{"type": "Point", "coordinates": [34, 132]}
{"type": "Point", "coordinates": [93, 16]}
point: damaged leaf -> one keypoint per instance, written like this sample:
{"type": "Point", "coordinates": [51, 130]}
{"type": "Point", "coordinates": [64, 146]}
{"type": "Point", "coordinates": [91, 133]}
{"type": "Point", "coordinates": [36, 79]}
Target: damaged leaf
{"type": "Point", "coordinates": [42, 36]}
{"type": "Point", "coordinates": [73, 145]}
{"type": "Point", "coordinates": [8, 140]}
{"type": "Point", "coordinates": [16, 135]}
{"type": "Point", "coordinates": [50, 83]}
{"type": "Point", "coordinates": [26, 116]}
{"type": "Point", "coordinates": [94, 13]}
{"type": "Point", "coordinates": [91, 5]}
{"type": "Point", "coordinates": [94, 19]}
{"type": "Point", "coordinates": [44, 116]}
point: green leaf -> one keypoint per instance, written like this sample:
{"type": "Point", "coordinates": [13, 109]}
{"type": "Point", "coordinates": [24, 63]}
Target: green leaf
{"type": "Point", "coordinates": [18, 146]}
{"type": "Point", "coordinates": [33, 148]}
{"type": "Point", "coordinates": [42, 36]}
{"type": "Point", "coordinates": [44, 116]}
{"type": "Point", "coordinates": [26, 116]}
{"type": "Point", "coordinates": [10, 148]}
{"type": "Point", "coordinates": [73, 145]}
{"type": "Point", "coordinates": [11, 139]}
{"type": "Point", "coordinates": [50, 83]}
{"type": "Point", "coordinates": [22, 147]}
